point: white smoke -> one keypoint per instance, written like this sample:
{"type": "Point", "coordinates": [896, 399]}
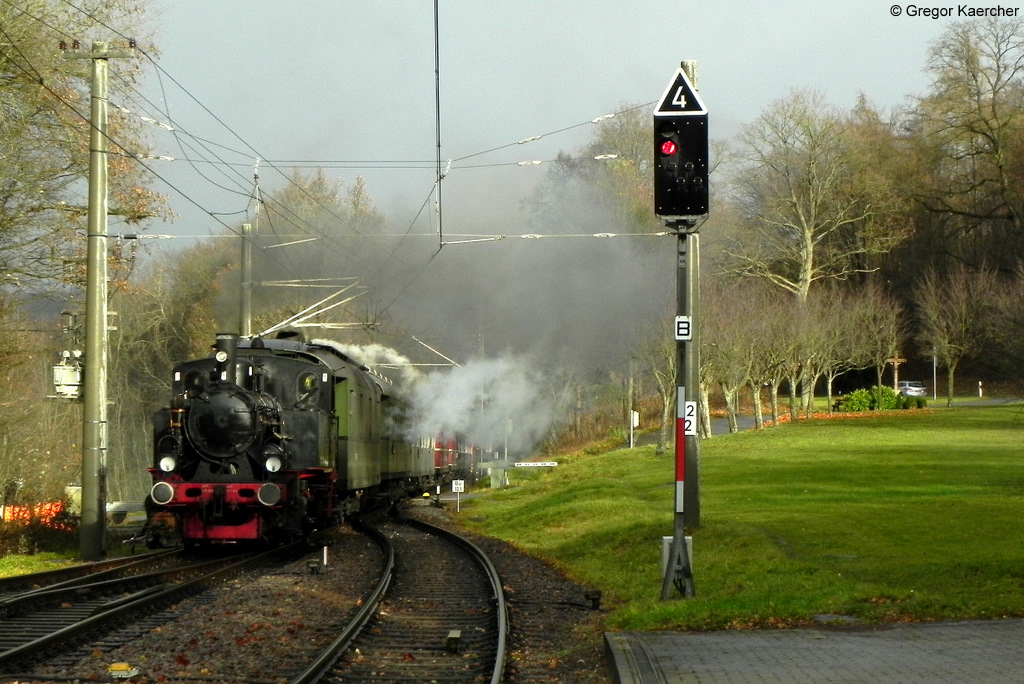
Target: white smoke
{"type": "Point", "coordinates": [497, 404]}
{"type": "Point", "coordinates": [383, 360]}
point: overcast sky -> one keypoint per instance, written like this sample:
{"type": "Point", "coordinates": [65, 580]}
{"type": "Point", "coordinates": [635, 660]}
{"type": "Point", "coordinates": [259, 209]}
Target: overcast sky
{"type": "Point", "coordinates": [351, 84]}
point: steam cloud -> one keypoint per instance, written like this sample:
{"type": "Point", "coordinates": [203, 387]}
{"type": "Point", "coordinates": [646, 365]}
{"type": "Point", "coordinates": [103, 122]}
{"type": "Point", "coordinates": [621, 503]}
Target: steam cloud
{"type": "Point", "coordinates": [495, 403]}
{"type": "Point", "coordinates": [384, 360]}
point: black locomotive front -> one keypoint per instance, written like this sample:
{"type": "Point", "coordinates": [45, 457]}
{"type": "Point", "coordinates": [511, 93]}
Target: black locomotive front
{"type": "Point", "coordinates": [242, 453]}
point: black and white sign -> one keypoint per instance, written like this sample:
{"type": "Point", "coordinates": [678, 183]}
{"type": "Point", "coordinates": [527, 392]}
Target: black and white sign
{"type": "Point", "coordinates": [684, 328]}
{"type": "Point", "coordinates": [680, 98]}
{"type": "Point", "coordinates": [690, 418]}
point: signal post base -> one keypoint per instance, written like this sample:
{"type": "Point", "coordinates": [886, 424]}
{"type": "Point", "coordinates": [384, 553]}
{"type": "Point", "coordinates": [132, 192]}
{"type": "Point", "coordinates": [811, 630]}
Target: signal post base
{"type": "Point", "coordinates": [678, 571]}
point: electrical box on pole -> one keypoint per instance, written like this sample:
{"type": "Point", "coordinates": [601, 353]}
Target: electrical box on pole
{"type": "Point", "coordinates": [680, 152]}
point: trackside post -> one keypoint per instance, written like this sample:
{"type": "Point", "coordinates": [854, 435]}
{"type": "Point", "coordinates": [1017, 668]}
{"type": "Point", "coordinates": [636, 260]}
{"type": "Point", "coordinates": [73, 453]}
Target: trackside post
{"type": "Point", "coordinates": [681, 199]}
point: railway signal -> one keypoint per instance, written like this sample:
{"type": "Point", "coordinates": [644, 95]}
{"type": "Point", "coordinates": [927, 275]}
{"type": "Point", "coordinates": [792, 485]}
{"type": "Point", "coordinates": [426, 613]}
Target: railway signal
{"type": "Point", "coordinates": [680, 152]}
{"type": "Point", "coordinates": [681, 199]}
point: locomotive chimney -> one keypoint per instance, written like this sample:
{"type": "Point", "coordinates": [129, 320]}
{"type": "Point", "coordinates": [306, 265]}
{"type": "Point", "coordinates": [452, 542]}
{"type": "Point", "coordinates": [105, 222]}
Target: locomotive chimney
{"type": "Point", "coordinates": [227, 346]}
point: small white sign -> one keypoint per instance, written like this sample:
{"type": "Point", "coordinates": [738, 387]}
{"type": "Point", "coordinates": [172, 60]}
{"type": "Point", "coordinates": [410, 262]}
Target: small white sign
{"type": "Point", "coordinates": [684, 328]}
{"type": "Point", "coordinates": [690, 418]}
{"type": "Point", "coordinates": [536, 464]}
{"type": "Point", "coordinates": [458, 486]}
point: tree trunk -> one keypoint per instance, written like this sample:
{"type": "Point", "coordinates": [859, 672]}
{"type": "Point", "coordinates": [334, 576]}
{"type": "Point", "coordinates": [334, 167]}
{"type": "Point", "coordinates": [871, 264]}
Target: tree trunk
{"type": "Point", "coordinates": [666, 422]}
{"type": "Point", "coordinates": [951, 368]}
{"type": "Point", "coordinates": [774, 386]}
{"type": "Point", "coordinates": [730, 406]}
{"type": "Point", "coordinates": [792, 397]}
{"type": "Point", "coordinates": [807, 390]}
{"type": "Point", "coordinates": [755, 391]}
{"type": "Point", "coordinates": [704, 411]}
{"type": "Point", "coordinates": [878, 387]}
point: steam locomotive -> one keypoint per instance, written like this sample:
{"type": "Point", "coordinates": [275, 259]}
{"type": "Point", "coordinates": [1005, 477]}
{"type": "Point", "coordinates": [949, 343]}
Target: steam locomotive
{"type": "Point", "coordinates": [267, 440]}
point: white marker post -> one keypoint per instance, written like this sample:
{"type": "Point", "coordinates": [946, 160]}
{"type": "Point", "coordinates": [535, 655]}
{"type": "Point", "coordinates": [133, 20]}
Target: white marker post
{"type": "Point", "coordinates": [458, 486]}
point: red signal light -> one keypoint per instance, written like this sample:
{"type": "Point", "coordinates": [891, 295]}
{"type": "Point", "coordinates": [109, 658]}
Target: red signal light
{"type": "Point", "coordinates": [669, 147]}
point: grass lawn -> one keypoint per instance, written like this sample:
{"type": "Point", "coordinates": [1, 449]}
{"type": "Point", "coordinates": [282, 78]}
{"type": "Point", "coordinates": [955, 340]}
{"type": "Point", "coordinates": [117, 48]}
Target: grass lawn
{"type": "Point", "coordinates": [907, 515]}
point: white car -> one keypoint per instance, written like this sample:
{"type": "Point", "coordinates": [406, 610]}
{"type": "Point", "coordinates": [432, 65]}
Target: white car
{"type": "Point", "coordinates": [911, 388]}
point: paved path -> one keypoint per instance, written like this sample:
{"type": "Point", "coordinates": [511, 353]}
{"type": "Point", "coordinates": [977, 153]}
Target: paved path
{"type": "Point", "coordinates": [973, 652]}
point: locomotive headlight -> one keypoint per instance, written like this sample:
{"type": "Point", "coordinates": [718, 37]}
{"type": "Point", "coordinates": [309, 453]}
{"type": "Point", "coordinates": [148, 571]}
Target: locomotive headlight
{"type": "Point", "coordinates": [272, 464]}
{"type": "Point", "coordinates": [221, 356]}
{"type": "Point", "coordinates": [168, 464]}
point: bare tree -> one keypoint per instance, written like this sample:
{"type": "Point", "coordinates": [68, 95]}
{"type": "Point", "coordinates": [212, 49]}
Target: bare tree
{"type": "Point", "coordinates": [38, 456]}
{"type": "Point", "coordinates": [970, 134]}
{"type": "Point", "coordinates": [812, 214]}
{"type": "Point", "coordinates": [730, 311]}
{"type": "Point", "coordinates": [850, 322]}
{"type": "Point", "coordinates": [880, 317]}
{"type": "Point", "coordinates": [660, 357]}
{"type": "Point", "coordinates": [953, 309]}
{"type": "Point", "coordinates": [772, 340]}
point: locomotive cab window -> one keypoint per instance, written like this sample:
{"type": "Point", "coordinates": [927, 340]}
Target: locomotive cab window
{"type": "Point", "coordinates": [308, 390]}
{"type": "Point", "coordinates": [195, 383]}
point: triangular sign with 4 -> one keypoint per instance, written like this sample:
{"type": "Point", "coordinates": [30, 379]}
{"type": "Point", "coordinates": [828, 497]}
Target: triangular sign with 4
{"type": "Point", "coordinates": [680, 98]}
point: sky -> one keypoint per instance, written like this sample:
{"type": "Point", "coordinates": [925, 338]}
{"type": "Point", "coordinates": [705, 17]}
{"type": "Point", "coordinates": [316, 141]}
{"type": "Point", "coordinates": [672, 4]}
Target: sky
{"type": "Point", "coordinates": [350, 87]}
{"type": "Point", "coordinates": [341, 81]}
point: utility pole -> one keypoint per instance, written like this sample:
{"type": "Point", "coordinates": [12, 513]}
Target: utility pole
{"type": "Point", "coordinates": [681, 199]}
{"type": "Point", "coordinates": [94, 423]}
{"type": "Point", "coordinates": [246, 311]}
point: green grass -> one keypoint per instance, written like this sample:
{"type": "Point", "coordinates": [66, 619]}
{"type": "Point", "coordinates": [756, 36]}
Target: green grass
{"type": "Point", "coordinates": [21, 564]}
{"type": "Point", "coordinates": [903, 516]}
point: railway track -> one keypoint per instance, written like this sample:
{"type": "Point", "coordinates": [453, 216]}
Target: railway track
{"type": "Point", "coordinates": [47, 623]}
{"type": "Point", "coordinates": [426, 607]}
{"type": "Point", "coordinates": [441, 617]}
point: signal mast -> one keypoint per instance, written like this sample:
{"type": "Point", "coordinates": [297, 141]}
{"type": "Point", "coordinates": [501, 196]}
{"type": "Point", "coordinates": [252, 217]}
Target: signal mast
{"type": "Point", "coordinates": [681, 199]}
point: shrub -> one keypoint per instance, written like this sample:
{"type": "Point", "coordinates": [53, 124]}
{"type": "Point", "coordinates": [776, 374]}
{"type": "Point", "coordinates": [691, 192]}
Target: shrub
{"type": "Point", "coordinates": [857, 400]}
{"type": "Point", "coordinates": [890, 399]}
{"type": "Point", "coordinates": [35, 536]}
{"type": "Point", "coordinates": [867, 399]}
